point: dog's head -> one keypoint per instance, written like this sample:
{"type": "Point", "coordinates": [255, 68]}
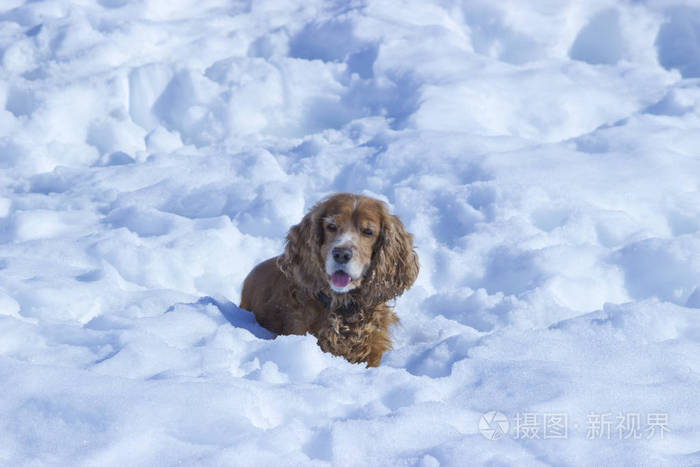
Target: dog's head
{"type": "Point", "coordinates": [350, 243]}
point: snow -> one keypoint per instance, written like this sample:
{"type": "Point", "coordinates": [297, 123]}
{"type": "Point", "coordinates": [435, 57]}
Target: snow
{"type": "Point", "coordinates": [544, 155]}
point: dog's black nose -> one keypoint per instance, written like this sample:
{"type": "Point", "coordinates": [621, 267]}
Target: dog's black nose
{"type": "Point", "coordinates": [342, 255]}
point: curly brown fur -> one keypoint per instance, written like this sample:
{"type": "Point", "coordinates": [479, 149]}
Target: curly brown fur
{"type": "Point", "coordinates": [341, 265]}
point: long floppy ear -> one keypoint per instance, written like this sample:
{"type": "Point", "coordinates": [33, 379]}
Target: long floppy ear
{"type": "Point", "coordinates": [300, 261]}
{"type": "Point", "coordinates": [394, 264]}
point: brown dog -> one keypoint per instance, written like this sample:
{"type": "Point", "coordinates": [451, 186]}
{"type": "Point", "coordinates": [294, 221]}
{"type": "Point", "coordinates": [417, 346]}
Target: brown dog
{"type": "Point", "coordinates": [342, 263]}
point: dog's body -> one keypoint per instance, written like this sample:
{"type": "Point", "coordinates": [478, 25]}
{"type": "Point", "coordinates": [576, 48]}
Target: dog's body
{"type": "Point", "coordinates": [341, 264]}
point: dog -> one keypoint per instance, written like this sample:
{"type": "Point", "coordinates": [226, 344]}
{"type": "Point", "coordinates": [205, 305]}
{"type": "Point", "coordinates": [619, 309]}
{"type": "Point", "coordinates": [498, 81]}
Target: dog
{"type": "Point", "coordinates": [341, 265]}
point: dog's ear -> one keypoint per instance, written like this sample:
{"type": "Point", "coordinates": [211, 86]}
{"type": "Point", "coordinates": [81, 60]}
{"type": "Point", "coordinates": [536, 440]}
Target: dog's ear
{"type": "Point", "coordinates": [301, 260]}
{"type": "Point", "coordinates": [394, 263]}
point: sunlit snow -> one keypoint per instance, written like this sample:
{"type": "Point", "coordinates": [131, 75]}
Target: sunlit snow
{"type": "Point", "coordinates": [544, 154]}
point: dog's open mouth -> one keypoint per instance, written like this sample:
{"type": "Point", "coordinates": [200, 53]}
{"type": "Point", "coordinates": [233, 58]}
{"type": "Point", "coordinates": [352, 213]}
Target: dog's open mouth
{"type": "Point", "coordinates": [340, 279]}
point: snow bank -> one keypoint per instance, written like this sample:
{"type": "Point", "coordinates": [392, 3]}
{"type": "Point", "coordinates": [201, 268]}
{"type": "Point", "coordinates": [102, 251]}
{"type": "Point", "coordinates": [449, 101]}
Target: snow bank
{"type": "Point", "coordinates": [544, 155]}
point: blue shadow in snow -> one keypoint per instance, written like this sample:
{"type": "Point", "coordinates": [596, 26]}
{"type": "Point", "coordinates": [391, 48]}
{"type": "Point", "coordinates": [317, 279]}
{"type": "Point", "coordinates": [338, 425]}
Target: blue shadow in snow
{"type": "Point", "coordinates": [238, 317]}
{"type": "Point", "coordinates": [677, 41]}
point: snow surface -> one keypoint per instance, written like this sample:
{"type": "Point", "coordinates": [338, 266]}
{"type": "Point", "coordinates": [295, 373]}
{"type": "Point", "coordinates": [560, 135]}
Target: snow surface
{"type": "Point", "coordinates": [545, 154]}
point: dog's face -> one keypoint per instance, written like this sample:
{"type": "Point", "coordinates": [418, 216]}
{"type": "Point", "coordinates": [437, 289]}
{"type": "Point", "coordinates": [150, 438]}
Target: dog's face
{"type": "Point", "coordinates": [351, 229]}
{"type": "Point", "coordinates": [350, 243]}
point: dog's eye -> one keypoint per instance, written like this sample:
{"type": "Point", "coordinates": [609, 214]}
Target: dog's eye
{"type": "Point", "coordinates": [332, 227]}
{"type": "Point", "coordinates": [367, 232]}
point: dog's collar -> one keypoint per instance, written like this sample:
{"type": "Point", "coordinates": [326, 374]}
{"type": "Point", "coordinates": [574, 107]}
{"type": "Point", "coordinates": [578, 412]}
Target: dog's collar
{"type": "Point", "coordinates": [324, 299]}
{"type": "Point", "coordinates": [345, 310]}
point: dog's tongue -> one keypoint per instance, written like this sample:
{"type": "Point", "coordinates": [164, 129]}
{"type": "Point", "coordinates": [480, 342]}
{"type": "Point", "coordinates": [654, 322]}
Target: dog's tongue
{"type": "Point", "coordinates": [340, 279]}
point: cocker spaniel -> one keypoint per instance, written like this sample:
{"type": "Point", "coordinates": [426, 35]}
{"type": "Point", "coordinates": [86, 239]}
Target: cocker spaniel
{"type": "Point", "coordinates": [341, 265]}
